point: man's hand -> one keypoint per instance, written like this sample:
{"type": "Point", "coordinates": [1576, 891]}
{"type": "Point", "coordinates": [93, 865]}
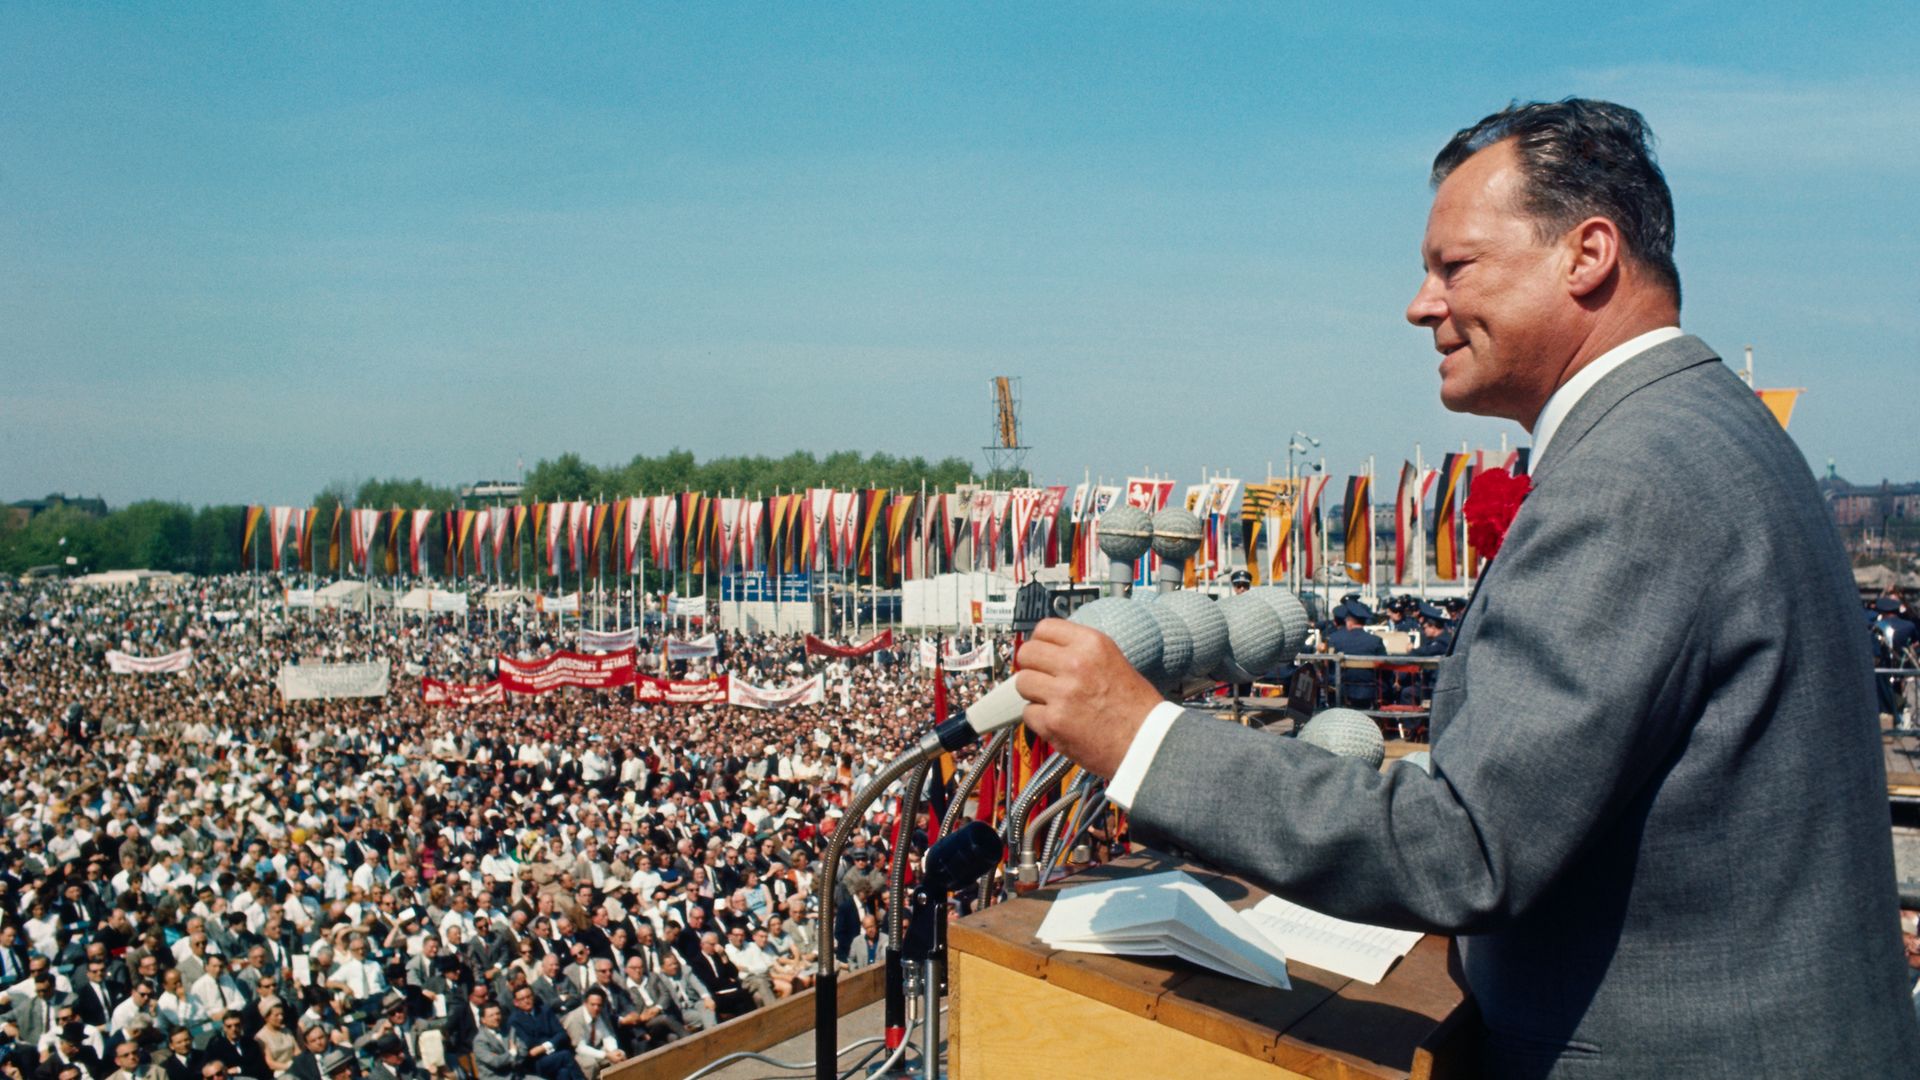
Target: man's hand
{"type": "Point", "coordinates": [1083, 696]}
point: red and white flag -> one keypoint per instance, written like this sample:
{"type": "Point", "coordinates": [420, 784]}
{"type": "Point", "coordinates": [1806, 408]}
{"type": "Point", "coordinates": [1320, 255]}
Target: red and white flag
{"type": "Point", "coordinates": [818, 514]}
{"type": "Point", "coordinates": [636, 525]}
{"type": "Point", "coordinates": [278, 519]}
{"type": "Point", "coordinates": [846, 505]}
{"type": "Point", "coordinates": [752, 519]}
{"type": "Point", "coordinates": [556, 524]}
{"type": "Point", "coordinates": [482, 530]}
{"type": "Point", "coordinates": [421, 519]}
{"type": "Point", "coordinates": [1310, 491]}
{"type": "Point", "coordinates": [979, 512]}
{"type": "Point", "coordinates": [501, 518]}
{"type": "Point", "coordinates": [666, 520]}
{"type": "Point", "coordinates": [361, 527]}
{"type": "Point", "coordinates": [1023, 505]}
{"type": "Point", "coordinates": [577, 515]}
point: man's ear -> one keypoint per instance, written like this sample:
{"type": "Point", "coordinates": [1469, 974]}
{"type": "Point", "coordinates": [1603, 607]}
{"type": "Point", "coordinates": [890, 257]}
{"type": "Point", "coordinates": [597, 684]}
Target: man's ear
{"type": "Point", "coordinates": [1594, 251]}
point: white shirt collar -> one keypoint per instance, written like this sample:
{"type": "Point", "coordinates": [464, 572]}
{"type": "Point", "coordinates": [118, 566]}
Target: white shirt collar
{"type": "Point", "coordinates": [1555, 411]}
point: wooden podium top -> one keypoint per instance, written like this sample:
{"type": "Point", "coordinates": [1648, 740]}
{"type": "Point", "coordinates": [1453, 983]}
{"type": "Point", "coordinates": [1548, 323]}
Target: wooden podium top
{"type": "Point", "coordinates": [1326, 1024]}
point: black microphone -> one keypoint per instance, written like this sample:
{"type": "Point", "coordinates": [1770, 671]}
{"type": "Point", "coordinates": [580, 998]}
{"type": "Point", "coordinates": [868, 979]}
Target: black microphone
{"type": "Point", "coordinates": [961, 856]}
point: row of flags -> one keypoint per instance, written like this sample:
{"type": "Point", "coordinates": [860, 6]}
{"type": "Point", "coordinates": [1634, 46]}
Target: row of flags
{"type": "Point", "coordinates": [873, 534]}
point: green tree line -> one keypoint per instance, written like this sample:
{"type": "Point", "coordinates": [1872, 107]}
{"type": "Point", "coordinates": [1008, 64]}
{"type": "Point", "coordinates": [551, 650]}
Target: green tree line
{"type": "Point", "coordinates": [155, 535]}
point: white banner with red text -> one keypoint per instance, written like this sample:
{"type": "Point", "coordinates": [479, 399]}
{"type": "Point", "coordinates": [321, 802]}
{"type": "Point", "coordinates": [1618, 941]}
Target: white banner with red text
{"type": "Point", "coordinates": [806, 692]}
{"type": "Point", "coordinates": [128, 664]}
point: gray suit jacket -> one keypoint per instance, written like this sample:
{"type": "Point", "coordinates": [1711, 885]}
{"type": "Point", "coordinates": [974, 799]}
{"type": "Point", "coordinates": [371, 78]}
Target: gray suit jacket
{"type": "Point", "coordinates": [1657, 818]}
{"type": "Point", "coordinates": [497, 1055]}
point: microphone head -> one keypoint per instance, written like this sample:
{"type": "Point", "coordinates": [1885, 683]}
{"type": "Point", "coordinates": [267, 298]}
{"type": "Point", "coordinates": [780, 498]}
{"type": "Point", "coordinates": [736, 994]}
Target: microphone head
{"type": "Point", "coordinates": [961, 856]}
{"type": "Point", "coordinates": [1254, 637]}
{"type": "Point", "coordinates": [1294, 622]}
{"type": "Point", "coordinates": [1347, 733]}
{"type": "Point", "coordinates": [1125, 533]}
{"type": "Point", "coordinates": [1130, 627]}
{"type": "Point", "coordinates": [1176, 641]}
{"type": "Point", "coordinates": [1206, 626]}
{"type": "Point", "coordinates": [1176, 534]}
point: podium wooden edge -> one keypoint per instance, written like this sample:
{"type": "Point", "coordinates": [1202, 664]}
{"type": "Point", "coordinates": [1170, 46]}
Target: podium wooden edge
{"type": "Point", "coordinates": [1448, 1052]}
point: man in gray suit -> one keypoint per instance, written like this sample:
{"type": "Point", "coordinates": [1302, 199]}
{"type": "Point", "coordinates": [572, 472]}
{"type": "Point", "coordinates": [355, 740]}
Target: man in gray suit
{"type": "Point", "coordinates": [497, 1054]}
{"type": "Point", "coordinates": [1656, 820]}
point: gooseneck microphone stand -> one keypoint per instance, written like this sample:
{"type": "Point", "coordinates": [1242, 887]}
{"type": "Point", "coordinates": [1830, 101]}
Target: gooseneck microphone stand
{"type": "Point", "coordinates": [896, 992]}
{"type": "Point", "coordinates": [954, 734]}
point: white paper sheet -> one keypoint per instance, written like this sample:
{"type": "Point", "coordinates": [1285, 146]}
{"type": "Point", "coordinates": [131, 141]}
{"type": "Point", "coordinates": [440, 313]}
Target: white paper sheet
{"type": "Point", "coordinates": [1355, 950]}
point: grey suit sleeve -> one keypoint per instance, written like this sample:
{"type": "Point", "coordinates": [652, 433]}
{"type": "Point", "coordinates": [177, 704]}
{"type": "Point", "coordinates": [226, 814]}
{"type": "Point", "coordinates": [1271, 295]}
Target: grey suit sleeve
{"type": "Point", "coordinates": [495, 1054]}
{"type": "Point", "coordinates": [1581, 659]}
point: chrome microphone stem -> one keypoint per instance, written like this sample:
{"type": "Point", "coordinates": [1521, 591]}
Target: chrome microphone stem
{"type": "Point", "coordinates": [1090, 811]}
{"type": "Point", "coordinates": [903, 844]}
{"type": "Point", "coordinates": [971, 778]}
{"type": "Point", "coordinates": [1045, 777]}
{"type": "Point", "coordinates": [1029, 868]}
{"type": "Point", "coordinates": [1088, 783]}
{"type": "Point", "coordinates": [826, 1013]}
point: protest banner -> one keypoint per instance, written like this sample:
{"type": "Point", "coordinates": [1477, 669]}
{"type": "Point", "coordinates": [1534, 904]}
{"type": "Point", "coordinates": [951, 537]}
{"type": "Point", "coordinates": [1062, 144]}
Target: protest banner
{"type": "Point", "coordinates": [128, 664]}
{"type": "Point", "coordinates": [712, 691]}
{"type": "Point", "coordinates": [806, 692]}
{"type": "Point", "coordinates": [315, 682]}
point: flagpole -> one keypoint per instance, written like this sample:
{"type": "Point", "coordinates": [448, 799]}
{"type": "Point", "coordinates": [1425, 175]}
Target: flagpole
{"type": "Point", "coordinates": [1320, 536]}
{"type": "Point", "coordinates": [1373, 523]}
{"type": "Point", "coordinates": [1420, 517]}
{"type": "Point", "coordinates": [1467, 571]}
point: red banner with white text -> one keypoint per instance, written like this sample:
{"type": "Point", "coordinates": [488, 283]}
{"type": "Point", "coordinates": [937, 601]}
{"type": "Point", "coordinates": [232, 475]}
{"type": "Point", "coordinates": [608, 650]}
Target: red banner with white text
{"type": "Point", "coordinates": [435, 692]}
{"type": "Point", "coordinates": [597, 671]}
{"type": "Point", "coordinates": [818, 647]}
{"type": "Point", "coordinates": [681, 691]}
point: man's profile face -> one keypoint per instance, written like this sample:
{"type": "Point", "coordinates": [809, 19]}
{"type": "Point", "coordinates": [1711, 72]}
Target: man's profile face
{"type": "Point", "coordinates": [1494, 295]}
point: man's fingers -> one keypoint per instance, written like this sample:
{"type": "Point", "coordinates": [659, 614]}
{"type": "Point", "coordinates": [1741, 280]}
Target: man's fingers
{"type": "Point", "coordinates": [1060, 632]}
{"type": "Point", "coordinates": [1036, 685]}
{"type": "Point", "coordinates": [1041, 656]}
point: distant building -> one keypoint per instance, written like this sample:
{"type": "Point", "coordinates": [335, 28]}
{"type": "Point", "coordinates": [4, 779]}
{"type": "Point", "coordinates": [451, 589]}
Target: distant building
{"type": "Point", "coordinates": [26, 510]}
{"type": "Point", "coordinates": [1857, 506]}
{"type": "Point", "coordinates": [491, 491]}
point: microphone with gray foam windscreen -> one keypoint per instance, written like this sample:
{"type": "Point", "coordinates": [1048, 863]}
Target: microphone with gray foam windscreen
{"type": "Point", "coordinates": [1171, 639]}
{"type": "Point", "coordinates": [1176, 536]}
{"type": "Point", "coordinates": [1255, 638]}
{"type": "Point", "coordinates": [1176, 642]}
{"type": "Point", "coordinates": [1205, 625]}
{"type": "Point", "coordinates": [1294, 620]}
{"type": "Point", "coordinates": [1125, 534]}
{"type": "Point", "coordinates": [1347, 733]}
{"type": "Point", "coordinates": [1125, 621]}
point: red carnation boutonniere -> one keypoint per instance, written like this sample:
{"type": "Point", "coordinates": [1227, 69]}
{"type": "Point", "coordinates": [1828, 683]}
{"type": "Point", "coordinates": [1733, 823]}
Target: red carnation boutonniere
{"type": "Point", "coordinates": [1492, 501]}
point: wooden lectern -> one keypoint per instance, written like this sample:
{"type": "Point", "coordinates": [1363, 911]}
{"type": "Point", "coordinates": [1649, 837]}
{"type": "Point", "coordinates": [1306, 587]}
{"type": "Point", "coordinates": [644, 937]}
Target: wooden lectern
{"type": "Point", "coordinates": [1021, 1008]}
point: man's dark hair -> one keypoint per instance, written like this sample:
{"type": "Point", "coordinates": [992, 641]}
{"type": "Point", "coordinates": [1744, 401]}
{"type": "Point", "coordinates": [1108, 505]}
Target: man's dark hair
{"type": "Point", "coordinates": [1583, 158]}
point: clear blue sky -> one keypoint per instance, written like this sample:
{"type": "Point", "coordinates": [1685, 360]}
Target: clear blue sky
{"type": "Point", "coordinates": [251, 249]}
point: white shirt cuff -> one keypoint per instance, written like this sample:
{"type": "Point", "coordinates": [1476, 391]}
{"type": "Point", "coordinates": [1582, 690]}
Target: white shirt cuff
{"type": "Point", "coordinates": [1132, 772]}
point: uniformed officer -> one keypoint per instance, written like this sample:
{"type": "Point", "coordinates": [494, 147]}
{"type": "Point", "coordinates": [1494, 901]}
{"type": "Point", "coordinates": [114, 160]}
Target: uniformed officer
{"type": "Point", "coordinates": [1406, 614]}
{"type": "Point", "coordinates": [1436, 634]}
{"type": "Point", "coordinates": [1359, 687]}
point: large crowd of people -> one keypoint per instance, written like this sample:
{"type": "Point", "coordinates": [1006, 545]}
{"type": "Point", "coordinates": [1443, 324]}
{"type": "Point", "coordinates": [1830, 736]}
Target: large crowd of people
{"type": "Point", "coordinates": [204, 880]}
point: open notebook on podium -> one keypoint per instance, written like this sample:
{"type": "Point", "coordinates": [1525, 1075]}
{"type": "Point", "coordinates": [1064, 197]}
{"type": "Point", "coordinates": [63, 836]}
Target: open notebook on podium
{"type": "Point", "coordinates": [1173, 914]}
